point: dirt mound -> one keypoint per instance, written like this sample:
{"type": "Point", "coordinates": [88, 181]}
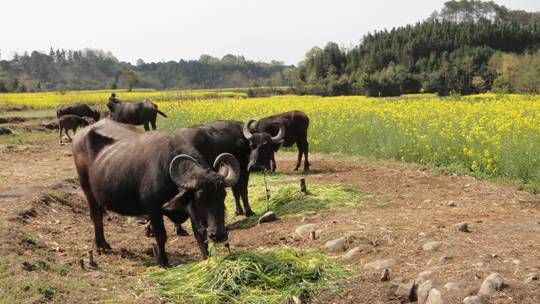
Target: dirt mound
{"type": "Point", "coordinates": [13, 119]}
{"type": "Point", "coordinates": [50, 201]}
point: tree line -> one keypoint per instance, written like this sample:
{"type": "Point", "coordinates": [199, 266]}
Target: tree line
{"type": "Point", "coordinates": [95, 69]}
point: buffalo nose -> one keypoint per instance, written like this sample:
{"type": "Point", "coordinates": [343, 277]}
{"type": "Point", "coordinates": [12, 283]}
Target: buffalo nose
{"type": "Point", "coordinates": [221, 237]}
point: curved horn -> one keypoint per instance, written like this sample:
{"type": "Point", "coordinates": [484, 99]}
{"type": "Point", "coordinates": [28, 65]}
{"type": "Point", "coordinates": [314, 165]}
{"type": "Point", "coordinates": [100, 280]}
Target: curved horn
{"type": "Point", "coordinates": [227, 166]}
{"type": "Point", "coordinates": [247, 129]}
{"type": "Point", "coordinates": [181, 179]}
{"type": "Point", "coordinates": [281, 134]}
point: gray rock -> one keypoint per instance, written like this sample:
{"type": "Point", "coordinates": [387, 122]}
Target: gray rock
{"type": "Point", "coordinates": [475, 300]}
{"type": "Point", "coordinates": [491, 284]}
{"type": "Point", "coordinates": [269, 216]}
{"type": "Point", "coordinates": [431, 246]}
{"type": "Point", "coordinates": [462, 227]}
{"type": "Point", "coordinates": [352, 255]}
{"type": "Point", "coordinates": [380, 264]}
{"type": "Point", "coordinates": [337, 245]}
{"type": "Point", "coordinates": [385, 276]}
{"type": "Point", "coordinates": [304, 231]}
{"type": "Point", "coordinates": [5, 131]}
{"type": "Point", "coordinates": [452, 204]}
{"type": "Point", "coordinates": [407, 291]}
{"type": "Point", "coordinates": [452, 287]}
{"type": "Point", "coordinates": [423, 291]}
{"type": "Point", "coordinates": [535, 276]}
{"type": "Point", "coordinates": [434, 297]}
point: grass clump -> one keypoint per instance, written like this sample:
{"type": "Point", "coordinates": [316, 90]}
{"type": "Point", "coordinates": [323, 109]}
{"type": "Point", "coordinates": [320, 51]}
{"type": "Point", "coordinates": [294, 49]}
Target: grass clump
{"type": "Point", "coordinates": [268, 276]}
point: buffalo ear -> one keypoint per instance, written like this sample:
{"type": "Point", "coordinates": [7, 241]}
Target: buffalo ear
{"type": "Point", "coordinates": [184, 170]}
{"type": "Point", "coordinates": [179, 202]}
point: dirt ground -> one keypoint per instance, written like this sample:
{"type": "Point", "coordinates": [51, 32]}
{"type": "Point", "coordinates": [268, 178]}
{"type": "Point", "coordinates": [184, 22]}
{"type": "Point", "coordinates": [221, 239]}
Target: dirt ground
{"type": "Point", "coordinates": [45, 231]}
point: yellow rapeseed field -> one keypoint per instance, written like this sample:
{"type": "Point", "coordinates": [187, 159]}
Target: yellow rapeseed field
{"type": "Point", "coordinates": [487, 135]}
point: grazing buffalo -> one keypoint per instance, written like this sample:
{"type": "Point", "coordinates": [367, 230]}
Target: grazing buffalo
{"type": "Point", "coordinates": [154, 174]}
{"type": "Point", "coordinates": [296, 124]}
{"type": "Point", "coordinates": [135, 113]}
{"type": "Point", "coordinates": [222, 136]}
{"type": "Point", "coordinates": [72, 122]}
{"type": "Point", "coordinates": [79, 109]}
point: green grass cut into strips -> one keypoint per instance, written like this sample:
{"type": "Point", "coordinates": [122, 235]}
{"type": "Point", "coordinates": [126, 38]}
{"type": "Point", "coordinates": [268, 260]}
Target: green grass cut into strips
{"type": "Point", "coordinates": [267, 276]}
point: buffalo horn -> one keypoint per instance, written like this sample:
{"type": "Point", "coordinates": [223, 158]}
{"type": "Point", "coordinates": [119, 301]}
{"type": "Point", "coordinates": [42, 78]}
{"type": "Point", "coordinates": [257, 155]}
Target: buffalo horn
{"type": "Point", "coordinates": [227, 165]}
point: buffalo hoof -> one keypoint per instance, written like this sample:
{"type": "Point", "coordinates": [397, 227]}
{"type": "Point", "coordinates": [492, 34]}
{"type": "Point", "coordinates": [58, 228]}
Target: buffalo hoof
{"type": "Point", "coordinates": [181, 231]}
{"type": "Point", "coordinates": [148, 231]}
{"type": "Point", "coordinates": [239, 212]}
{"type": "Point", "coordinates": [104, 248]}
{"type": "Point", "coordinates": [250, 213]}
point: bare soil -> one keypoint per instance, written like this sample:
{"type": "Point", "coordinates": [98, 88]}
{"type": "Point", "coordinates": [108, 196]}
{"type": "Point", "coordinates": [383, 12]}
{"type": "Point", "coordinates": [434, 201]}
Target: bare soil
{"type": "Point", "coordinates": [45, 231]}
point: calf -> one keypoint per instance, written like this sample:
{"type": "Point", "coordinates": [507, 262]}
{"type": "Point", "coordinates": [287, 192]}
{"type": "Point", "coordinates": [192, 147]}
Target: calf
{"type": "Point", "coordinates": [71, 122]}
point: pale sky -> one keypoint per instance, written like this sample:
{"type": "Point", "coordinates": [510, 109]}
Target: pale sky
{"type": "Point", "coordinates": [162, 30]}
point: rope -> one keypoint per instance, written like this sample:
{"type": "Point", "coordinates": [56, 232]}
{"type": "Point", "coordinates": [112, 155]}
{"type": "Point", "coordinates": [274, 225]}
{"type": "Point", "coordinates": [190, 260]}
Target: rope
{"type": "Point", "coordinates": [267, 191]}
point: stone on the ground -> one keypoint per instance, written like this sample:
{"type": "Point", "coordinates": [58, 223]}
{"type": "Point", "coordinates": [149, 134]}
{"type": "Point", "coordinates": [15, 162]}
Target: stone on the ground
{"type": "Point", "coordinates": [423, 291]}
{"type": "Point", "coordinates": [380, 264]}
{"type": "Point", "coordinates": [535, 276]}
{"type": "Point", "coordinates": [445, 258]}
{"type": "Point", "coordinates": [424, 276]}
{"type": "Point", "coordinates": [51, 125]}
{"type": "Point", "coordinates": [304, 231]}
{"type": "Point", "coordinates": [452, 204]}
{"type": "Point", "coordinates": [434, 297]}
{"type": "Point", "coordinates": [431, 246]}
{"type": "Point", "coordinates": [462, 227]}
{"type": "Point", "coordinates": [352, 255]}
{"type": "Point", "coordinates": [407, 291]}
{"type": "Point", "coordinates": [452, 287]}
{"type": "Point", "coordinates": [474, 300]}
{"type": "Point", "coordinates": [491, 284]}
{"type": "Point", "coordinates": [269, 216]}
{"type": "Point", "coordinates": [337, 245]}
{"type": "Point", "coordinates": [5, 131]}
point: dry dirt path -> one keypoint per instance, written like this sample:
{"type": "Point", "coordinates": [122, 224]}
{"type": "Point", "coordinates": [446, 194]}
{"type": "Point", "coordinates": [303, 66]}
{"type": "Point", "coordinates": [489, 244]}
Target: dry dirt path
{"type": "Point", "coordinates": [407, 206]}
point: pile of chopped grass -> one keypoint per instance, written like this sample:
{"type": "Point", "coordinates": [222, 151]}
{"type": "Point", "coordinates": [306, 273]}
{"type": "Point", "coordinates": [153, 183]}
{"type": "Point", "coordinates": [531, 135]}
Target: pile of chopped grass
{"type": "Point", "coordinates": [286, 199]}
{"type": "Point", "coordinates": [267, 276]}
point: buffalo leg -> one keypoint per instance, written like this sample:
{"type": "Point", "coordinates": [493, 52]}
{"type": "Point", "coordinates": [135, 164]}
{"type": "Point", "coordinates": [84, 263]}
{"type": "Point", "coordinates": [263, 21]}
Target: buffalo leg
{"type": "Point", "coordinates": [273, 161]}
{"type": "Point", "coordinates": [96, 214]}
{"type": "Point", "coordinates": [146, 126]}
{"type": "Point", "coordinates": [242, 186]}
{"type": "Point", "coordinates": [306, 161]}
{"type": "Point", "coordinates": [200, 236]}
{"type": "Point", "coordinates": [60, 134]}
{"type": "Point", "coordinates": [236, 194]}
{"type": "Point", "coordinates": [300, 152]}
{"type": "Point", "coordinates": [156, 219]}
{"type": "Point", "coordinates": [153, 124]}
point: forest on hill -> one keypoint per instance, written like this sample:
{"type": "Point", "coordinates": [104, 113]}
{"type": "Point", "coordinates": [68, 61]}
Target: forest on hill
{"type": "Point", "coordinates": [467, 47]}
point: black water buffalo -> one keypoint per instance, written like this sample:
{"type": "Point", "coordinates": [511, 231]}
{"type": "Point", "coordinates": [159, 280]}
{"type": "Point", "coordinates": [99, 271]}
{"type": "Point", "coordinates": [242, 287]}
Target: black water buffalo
{"type": "Point", "coordinates": [154, 174]}
{"type": "Point", "coordinates": [135, 113]}
{"type": "Point", "coordinates": [79, 109]}
{"type": "Point", "coordinates": [223, 136]}
{"type": "Point", "coordinates": [296, 125]}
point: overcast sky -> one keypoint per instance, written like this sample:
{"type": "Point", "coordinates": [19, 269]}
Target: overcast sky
{"type": "Point", "coordinates": [160, 30]}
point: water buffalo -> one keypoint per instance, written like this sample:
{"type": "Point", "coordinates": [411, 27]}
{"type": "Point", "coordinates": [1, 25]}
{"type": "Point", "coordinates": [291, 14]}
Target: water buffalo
{"type": "Point", "coordinates": [135, 113]}
{"type": "Point", "coordinates": [72, 122]}
{"type": "Point", "coordinates": [79, 109]}
{"type": "Point", "coordinates": [154, 174]}
{"type": "Point", "coordinates": [296, 124]}
{"type": "Point", "coordinates": [223, 136]}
